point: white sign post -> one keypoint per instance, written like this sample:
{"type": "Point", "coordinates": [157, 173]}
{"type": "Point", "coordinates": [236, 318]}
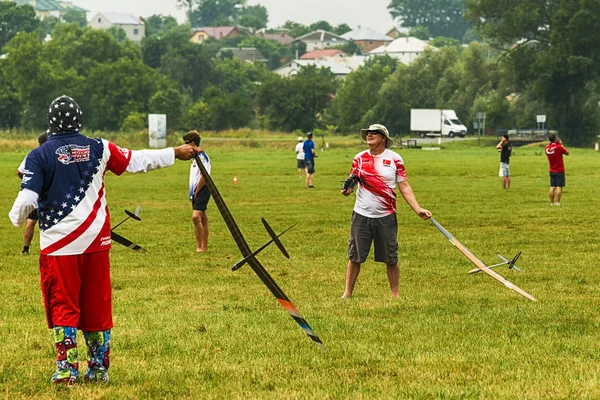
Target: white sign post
{"type": "Point", "coordinates": [541, 119]}
{"type": "Point", "coordinates": [157, 130]}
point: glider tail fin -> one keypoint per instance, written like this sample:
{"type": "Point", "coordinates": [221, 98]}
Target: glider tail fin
{"type": "Point", "coordinates": [511, 263]}
{"type": "Point", "coordinates": [276, 237]}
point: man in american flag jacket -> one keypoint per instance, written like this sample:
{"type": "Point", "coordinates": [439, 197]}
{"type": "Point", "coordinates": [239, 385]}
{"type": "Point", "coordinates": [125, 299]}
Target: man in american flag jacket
{"type": "Point", "coordinates": [64, 180]}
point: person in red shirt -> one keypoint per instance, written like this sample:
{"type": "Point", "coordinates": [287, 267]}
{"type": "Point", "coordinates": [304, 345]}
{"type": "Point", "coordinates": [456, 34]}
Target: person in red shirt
{"type": "Point", "coordinates": [555, 151]}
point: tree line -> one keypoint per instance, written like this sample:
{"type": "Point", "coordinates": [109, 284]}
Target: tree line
{"type": "Point", "coordinates": [530, 59]}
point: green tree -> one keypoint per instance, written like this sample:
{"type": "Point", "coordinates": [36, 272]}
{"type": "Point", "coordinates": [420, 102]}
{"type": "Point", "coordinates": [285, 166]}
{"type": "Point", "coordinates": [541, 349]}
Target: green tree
{"type": "Point", "coordinates": [550, 49]}
{"type": "Point", "coordinates": [442, 41]}
{"type": "Point", "coordinates": [169, 101]}
{"type": "Point", "coordinates": [10, 106]}
{"type": "Point", "coordinates": [190, 66]}
{"type": "Point", "coordinates": [341, 29]}
{"type": "Point", "coordinates": [15, 19]}
{"type": "Point", "coordinates": [47, 25]}
{"type": "Point", "coordinates": [274, 52]}
{"type": "Point", "coordinates": [118, 33]}
{"type": "Point", "coordinates": [216, 13]}
{"type": "Point", "coordinates": [231, 75]}
{"type": "Point", "coordinates": [441, 17]}
{"type": "Point", "coordinates": [350, 47]}
{"type": "Point", "coordinates": [297, 102]}
{"type": "Point", "coordinates": [296, 29]}
{"type": "Point", "coordinates": [189, 6]}
{"type": "Point", "coordinates": [155, 46]}
{"type": "Point", "coordinates": [255, 17]}
{"type": "Point", "coordinates": [81, 49]}
{"type": "Point", "coordinates": [159, 25]}
{"type": "Point", "coordinates": [359, 92]}
{"type": "Point", "coordinates": [36, 79]}
{"type": "Point", "coordinates": [420, 32]}
{"type": "Point", "coordinates": [412, 86]}
{"type": "Point", "coordinates": [114, 90]}
{"type": "Point", "coordinates": [323, 25]}
{"type": "Point", "coordinates": [72, 16]}
{"type": "Point", "coordinates": [199, 116]}
{"type": "Point", "coordinates": [469, 78]}
{"type": "Point", "coordinates": [134, 122]}
{"type": "Point", "coordinates": [219, 111]}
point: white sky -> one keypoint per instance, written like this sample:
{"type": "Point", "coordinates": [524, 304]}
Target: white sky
{"type": "Point", "coordinates": [365, 13]}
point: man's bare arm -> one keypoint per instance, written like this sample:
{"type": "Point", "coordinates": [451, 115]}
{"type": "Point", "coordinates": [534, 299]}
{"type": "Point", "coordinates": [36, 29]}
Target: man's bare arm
{"type": "Point", "coordinates": [410, 198]}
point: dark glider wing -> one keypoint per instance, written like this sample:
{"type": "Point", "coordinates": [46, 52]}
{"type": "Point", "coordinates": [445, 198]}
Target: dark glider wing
{"type": "Point", "coordinates": [126, 242]}
{"type": "Point", "coordinates": [253, 262]}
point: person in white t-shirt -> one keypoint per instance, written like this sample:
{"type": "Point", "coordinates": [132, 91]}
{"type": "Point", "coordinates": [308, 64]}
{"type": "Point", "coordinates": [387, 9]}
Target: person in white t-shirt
{"type": "Point", "coordinates": [300, 164]}
{"type": "Point", "coordinates": [198, 193]}
{"type": "Point", "coordinates": [376, 172]}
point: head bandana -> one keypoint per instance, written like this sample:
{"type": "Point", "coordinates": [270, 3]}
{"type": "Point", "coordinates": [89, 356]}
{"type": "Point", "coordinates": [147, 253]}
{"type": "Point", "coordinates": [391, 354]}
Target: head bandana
{"type": "Point", "coordinates": [64, 115]}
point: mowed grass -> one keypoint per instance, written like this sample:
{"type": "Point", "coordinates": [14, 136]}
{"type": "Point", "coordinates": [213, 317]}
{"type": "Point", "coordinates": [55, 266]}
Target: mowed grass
{"type": "Point", "coordinates": [186, 326]}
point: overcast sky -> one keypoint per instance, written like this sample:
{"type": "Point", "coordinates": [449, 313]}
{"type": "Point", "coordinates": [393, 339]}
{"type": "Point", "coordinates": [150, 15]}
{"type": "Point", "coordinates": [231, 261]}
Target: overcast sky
{"type": "Point", "coordinates": [366, 13]}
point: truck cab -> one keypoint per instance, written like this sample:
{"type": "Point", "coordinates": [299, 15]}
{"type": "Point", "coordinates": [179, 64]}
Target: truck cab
{"type": "Point", "coordinates": [451, 125]}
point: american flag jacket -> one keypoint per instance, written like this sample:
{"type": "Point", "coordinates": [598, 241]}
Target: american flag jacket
{"type": "Point", "coordinates": [67, 173]}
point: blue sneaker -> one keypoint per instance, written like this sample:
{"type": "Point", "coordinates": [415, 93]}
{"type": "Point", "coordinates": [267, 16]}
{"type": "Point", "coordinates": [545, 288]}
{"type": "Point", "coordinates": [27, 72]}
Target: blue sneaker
{"type": "Point", "coordinates": [100, 375]}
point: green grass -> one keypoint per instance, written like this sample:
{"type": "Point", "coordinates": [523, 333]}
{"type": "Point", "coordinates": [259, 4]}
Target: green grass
{"type": "Point", "coordinates": [186, 326]}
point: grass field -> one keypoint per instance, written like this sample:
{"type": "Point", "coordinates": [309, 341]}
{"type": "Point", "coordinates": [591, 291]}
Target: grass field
{"type": "Point", "coordinates": [186, 326]}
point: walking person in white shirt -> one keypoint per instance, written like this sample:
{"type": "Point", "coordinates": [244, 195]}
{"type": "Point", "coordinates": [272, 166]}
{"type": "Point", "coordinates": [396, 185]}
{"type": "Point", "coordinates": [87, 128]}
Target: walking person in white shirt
{"type": "Point", "coordinates": [300, 164]}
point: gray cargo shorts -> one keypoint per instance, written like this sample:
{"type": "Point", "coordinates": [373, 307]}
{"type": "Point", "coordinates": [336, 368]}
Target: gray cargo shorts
{"type": "Point", "coordinates": [383, 232]}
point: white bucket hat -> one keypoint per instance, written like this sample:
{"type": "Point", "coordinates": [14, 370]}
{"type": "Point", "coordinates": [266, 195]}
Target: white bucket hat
{"type": "Point", "coordinates": [389, 142]}
{"type": "Point", "coordinates": [300, 139]}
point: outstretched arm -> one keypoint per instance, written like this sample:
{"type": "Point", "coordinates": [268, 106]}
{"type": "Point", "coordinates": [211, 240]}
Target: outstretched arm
{"type": "Point", "coordinates": [148, 160]}
{"type": "Point", "coordinates": [410, 198]}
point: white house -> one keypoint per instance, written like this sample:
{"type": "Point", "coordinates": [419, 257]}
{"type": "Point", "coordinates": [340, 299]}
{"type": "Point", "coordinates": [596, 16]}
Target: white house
{"type": "Point", "coordinates": [405, 49]}
{"type": "Point", "coordinates": [320, 39]}
{"type": "Point", "coordinates": [133, 27]}
{"type": "Point", "coordinates": [50, 8]}
{"type": "Point", "coordinates": [367, 39]}
{"type": "Point", "coordinates": [340, 66]}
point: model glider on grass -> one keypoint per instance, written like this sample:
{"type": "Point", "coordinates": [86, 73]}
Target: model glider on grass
{"type": "Point", "coordinates": [123, 241]}
{"type": "Point", "coordinates": [481, 266]}
{"type": "Point", "coordinates": [250, 256]}
{"type": "Point", "coordinates": [511, 263]}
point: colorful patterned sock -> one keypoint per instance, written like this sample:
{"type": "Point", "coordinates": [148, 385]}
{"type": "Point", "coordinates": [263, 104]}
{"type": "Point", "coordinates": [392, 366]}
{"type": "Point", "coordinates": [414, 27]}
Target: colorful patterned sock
{"type": "Point", "coordinates": [67, 364]}
{"type": "Point", "coordinates": [99, 355]}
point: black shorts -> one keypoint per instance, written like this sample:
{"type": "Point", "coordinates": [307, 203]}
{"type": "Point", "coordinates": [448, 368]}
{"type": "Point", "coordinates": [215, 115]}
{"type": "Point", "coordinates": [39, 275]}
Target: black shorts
{"type": "Point", "coordinates": [383, 232]}
{"type": "Point", "coordinates": [301, 164]}
{"type": "Point", "coordinates": [33, 215]}
{"type": "Point", "coordinates": [557, 179]}
{"type": "Point", "coordinates": [201, 200]}
{"type": "Point", "coordinates": [310, 165]}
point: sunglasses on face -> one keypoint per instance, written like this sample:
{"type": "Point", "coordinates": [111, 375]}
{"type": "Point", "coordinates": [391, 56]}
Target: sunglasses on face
{"type": "Point", "coordinates": [374, 133]}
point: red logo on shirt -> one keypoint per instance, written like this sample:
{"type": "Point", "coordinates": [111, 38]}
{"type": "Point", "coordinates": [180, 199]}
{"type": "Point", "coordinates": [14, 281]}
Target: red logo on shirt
{"type": "Point", "coordinates": [387, 162]}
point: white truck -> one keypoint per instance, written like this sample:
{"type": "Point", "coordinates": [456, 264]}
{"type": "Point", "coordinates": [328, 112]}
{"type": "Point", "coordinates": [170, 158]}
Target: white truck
{"type": "Point", "coordinates": [429, 122]}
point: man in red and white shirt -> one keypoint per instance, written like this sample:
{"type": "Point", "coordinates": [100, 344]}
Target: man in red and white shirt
{"type": "Point", "coordinates": [378, 171]}
{"type": "Point", "coordinates": [64, 180]}
{"type": "Point", "coordinates": [555, 151]}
